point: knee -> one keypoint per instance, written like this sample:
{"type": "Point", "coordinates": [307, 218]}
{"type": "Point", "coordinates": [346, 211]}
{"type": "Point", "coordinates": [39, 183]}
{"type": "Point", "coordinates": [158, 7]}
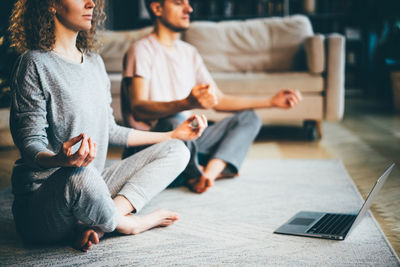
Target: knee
{"type": "Point", "coordinates": [250, 119]}
{"type": "Point", "coordinates": [85, 179]}
{"type": "Point", "coordinates": [179, 149]}
{"type": "Point", "coordinates": [85, 185]}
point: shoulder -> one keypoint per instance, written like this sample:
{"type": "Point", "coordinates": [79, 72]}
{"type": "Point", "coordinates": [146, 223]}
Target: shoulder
{"type": "Point", "coordinates": [35, 55]}
{"type": "Point", "coordinates": [30, 64]}
{"type": "Point", "coordinates": [34, 58]}
{"type": "Point", "coordinates": [145, 46]}
{"type": "Point", "coordinates": [146, 42]}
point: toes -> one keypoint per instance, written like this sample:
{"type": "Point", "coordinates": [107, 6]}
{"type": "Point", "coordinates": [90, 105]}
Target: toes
{"type": "Point", "coordinates": [94, 237]}
{"type": "Point", "coordinates": [196, 184]}
{"type": "Point", "coordinates": [174, 217]}
{"type": "Point", "coordinates": [201, 189]}
{"type": "Point", "coordinates": [167, 222]}
{"type": "Point", "coordinates": [87, 246]}
{"type": "Point", "coordinates": [83, 240]}
{"type": "Point", "coordinates": [167, 215]}
{"type": "Point", "coordinates": [86, 240]}
{"type": "Point", "coordinates": [203, 185]}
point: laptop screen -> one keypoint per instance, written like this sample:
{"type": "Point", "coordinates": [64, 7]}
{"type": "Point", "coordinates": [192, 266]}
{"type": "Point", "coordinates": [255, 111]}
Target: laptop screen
{"type": "Point", "coordinates": [368, 201]}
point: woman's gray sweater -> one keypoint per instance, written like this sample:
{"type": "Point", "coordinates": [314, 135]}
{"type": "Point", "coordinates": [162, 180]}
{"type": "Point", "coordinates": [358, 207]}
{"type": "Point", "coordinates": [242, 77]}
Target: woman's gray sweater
{"type": "Point", "coordinates": [54, 100]}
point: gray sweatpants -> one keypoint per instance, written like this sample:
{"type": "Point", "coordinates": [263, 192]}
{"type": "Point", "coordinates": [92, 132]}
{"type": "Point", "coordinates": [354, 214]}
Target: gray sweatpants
{"type": "Point", "coordinates": [69, 195]}
{"type": "Point", "coordinates": [228, 140]}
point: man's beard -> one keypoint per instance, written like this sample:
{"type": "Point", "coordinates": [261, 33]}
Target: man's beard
{"type": "Point", "coordinates": [172, 27]}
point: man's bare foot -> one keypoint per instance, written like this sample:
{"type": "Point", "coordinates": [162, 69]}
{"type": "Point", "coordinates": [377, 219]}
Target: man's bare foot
{"type": "Point", "coordinates": [200, 185]}
{"type": "Point", "coordinates": [221, 175]}
{"type": "Point", "coordinates": [131, 224]}
{"type": "Point", "coordinates": [87, 238]}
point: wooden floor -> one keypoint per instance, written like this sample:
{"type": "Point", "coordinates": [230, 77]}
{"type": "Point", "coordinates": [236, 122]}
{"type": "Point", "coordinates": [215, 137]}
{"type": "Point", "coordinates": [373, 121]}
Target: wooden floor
{"type": "Point", "coordinates": [367, 141]}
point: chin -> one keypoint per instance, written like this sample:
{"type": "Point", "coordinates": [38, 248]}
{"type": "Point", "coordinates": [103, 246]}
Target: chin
{"type": "Point", "coordinates": [181, 28]}
{"type": "Point", "coordinates": [86, 28]}
{"type": "Point", "coordinates": [175, 28]}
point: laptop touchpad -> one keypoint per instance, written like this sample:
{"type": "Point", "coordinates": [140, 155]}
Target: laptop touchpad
{"type": "Point", "coordinates": [302, 221]}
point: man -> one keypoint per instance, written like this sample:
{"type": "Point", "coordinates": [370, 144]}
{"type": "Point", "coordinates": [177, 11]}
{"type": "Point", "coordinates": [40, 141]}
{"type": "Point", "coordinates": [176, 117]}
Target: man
{"type": "Point", "coordinates": [164, 78]}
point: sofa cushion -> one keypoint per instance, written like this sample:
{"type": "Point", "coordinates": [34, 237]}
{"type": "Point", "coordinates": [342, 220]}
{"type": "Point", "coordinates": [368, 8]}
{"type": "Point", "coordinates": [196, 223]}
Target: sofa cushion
{"type": "Point", "coordinates": [262, 83]}
{"type": "Point", "coordinates": [115, 44]}
{"type": "Point", "coordinates": [268, 44]}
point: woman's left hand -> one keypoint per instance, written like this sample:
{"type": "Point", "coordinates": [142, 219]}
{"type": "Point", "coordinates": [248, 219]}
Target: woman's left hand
{"type": "Point", "coordinates": [190, 129]}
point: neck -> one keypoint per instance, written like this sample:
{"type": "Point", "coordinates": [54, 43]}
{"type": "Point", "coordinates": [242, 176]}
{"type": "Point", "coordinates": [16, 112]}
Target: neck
{"type": "Point", "coordinates": [65, 44]}
{"type": "Point", "coordinates": [165, 35]}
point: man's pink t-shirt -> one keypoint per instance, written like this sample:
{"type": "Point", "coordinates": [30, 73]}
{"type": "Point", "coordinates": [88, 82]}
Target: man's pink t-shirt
{"type": "Point", "coordinates": [172, 73]}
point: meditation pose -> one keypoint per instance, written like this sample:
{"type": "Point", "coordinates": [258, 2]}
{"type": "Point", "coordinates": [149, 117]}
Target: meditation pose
{"type": "Point", "coordinates": [62, 123]}
{"type": "Point", "coordinates": [164, 78]}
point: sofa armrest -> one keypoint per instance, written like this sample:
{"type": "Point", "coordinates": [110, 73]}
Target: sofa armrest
{"type": "Point", "coordinates": [334, 96]}
{"type": "Point", "coordinates": [315, 52]}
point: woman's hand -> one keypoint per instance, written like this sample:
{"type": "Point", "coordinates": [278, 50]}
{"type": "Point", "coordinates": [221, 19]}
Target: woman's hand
{"type": "Point", "coordinates": [81, 158]}
{"type": "Point", "coordinates": [190, 129]}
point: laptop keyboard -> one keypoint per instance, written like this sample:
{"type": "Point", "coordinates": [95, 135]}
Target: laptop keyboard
{"type": "Point", "coordinates": [332, 224]}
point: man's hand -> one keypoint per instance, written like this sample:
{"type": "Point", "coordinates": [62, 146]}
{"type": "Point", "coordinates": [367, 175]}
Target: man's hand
{"type": "Point", "coordinates": [81, 158]}
{"type": "Point", "coordinates": [202, 96]}
{"type": "Point", "coordinates": [190, 129]}
{"type": "Point", "coordinates": [286, 99]}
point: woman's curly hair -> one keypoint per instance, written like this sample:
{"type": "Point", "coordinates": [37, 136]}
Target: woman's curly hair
{"type": "Point", "coordinates": [32, 26]}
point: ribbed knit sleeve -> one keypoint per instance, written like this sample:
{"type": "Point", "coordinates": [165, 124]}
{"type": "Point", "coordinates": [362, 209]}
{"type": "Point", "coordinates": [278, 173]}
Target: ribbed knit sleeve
{"type": "Point", "coordinates": [28, 121]}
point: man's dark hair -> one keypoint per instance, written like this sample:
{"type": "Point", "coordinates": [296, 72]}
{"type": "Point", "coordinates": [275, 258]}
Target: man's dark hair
{"type": "Point", "coordinates": [148, 3]}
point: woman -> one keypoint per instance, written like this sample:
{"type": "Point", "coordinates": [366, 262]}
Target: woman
{"type": "Point", "coordinates": [62, 123]}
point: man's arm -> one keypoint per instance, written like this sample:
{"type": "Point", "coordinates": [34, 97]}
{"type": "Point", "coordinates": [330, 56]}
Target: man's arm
{"type": "Point", "coordinates": [144, 109]}
{"type": "Point", "coordinates": [283, 99]}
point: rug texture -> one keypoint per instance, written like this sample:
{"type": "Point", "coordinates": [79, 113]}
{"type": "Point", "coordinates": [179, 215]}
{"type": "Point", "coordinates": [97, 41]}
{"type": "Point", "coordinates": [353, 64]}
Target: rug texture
{"type": "Point", "coordinates": [231, 224]}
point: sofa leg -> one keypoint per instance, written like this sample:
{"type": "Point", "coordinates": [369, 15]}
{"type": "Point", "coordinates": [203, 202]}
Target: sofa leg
{"type": "Point", "coordinates": [313, 129]}
{"type": "Point", "coordinates": [319, 129]}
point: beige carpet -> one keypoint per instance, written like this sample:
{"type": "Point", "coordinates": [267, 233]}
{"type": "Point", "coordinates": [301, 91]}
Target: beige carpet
{"type": "Point", "coordinates": [232, 224]}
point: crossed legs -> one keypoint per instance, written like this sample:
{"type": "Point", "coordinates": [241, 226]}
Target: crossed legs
{"type": "Point", "coordinates": [226, 143]}
{"type": "Point", "coordinates": [133, 182]}
{"type": "Point", "coordinates": [84, 203]}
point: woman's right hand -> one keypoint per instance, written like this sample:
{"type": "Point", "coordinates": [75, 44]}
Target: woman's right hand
{"type": "Point", "coordinates": [81, 158]}
{"type": "Point", "coordinates": [187, 131]}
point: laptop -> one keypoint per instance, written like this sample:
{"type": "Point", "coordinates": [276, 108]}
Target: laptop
{"type": "Point", "coordinates": [335, 226]}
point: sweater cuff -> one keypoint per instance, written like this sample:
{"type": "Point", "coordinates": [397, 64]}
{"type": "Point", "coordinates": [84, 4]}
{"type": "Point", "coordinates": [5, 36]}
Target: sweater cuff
{"type": "Point", "coordinates": [31, 153]}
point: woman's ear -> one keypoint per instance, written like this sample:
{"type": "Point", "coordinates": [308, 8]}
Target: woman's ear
{"type": "Point", "coordinates": [156, 8]}
{"type": "Point", "coordinates": [52, 10]}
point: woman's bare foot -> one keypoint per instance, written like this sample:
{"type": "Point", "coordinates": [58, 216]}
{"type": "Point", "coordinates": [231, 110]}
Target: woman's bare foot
{"type": "Point", "coordinates": [86, 238]}
{"type": "Point", "coordinates": [131, 224]}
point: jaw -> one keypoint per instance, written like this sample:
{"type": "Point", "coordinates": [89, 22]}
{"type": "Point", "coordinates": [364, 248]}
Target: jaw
{"type": "Point", "coordinates": [174, 27]}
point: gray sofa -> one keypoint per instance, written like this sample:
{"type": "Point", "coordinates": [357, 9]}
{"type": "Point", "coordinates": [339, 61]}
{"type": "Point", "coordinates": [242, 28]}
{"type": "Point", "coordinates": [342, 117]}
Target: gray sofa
{"type": "Point", "coordinates": [258, 57]}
